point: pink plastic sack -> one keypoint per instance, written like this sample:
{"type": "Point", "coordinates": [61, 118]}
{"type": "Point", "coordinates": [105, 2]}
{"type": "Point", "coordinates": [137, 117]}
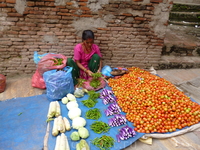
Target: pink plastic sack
{"type": "Point", "coordinates": [2, 83]}
{"type": "Point", "coordinates": [86, 85]}
{"type": "Point", "coordinates": [38, 81]}
{"type": "Point", "coordinates": [47, 63]}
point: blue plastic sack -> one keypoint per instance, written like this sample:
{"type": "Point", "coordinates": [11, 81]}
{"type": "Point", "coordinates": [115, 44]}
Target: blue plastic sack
{"type": "Point", "coordinates": [37, 57]}
{"type": "Point", "coordinates": [58, 83]}
{"type": "Point", "coordinates": [106, 71]}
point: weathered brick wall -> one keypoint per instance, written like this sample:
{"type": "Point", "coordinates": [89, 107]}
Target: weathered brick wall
{"type": "Point", "coordinates": [127, 31]}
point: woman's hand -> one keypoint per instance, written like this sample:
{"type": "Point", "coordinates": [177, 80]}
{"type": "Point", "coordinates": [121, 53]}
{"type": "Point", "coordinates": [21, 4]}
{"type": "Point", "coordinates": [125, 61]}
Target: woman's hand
{"type": "Point", "coordinates": [89, 72]}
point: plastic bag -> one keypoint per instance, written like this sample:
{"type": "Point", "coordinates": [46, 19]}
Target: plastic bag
{"type": "Point", "coordinates": [58, 83]}
{"type": "Point", "coordinates": [86, 85]}
{"type": "Point", "coordinates": [38, 81]}
{"type": "Point", "coordinates": [47, 63]}
{"type": "Point", "coordinates": [79, 92]}
{"type": "Point", "coordinates": [106, 71]}
{"type": "Point", "coordinates": [2, 83]}
{"type": "Point", "coordinates": [37, 57]}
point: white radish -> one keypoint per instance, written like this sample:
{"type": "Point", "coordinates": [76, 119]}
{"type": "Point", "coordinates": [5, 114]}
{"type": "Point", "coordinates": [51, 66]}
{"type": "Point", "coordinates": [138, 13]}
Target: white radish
{"type": "Point", "coordinates": [67, 124]}
{"type": "Point", "coordinates": [55, 127]}
{"type": "Point", "coordinates": [67, 144]}
{"type": "Point", "coordinates": [52, 110]}
{"type": "Point", "coordinates": [61, 126]}
{"type": "Point", "coordinates": [62, 142]}
{"type": "Point", "coordinates": [58, 112]}
{"type": "Point", "coordinates": [57, 147]}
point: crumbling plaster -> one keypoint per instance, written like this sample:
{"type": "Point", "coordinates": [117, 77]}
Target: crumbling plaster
{"type": "Point", "coordinates": [20, 6]}
{"type": "Point", "coordinates": [160, 18]}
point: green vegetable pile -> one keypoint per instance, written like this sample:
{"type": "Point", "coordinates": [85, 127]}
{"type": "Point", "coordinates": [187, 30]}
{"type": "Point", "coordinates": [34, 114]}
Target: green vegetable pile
{"type": "Point", "coordinates": [104, 142]}
{"type": "Point", "coordinates": [99, 127]}
{"type": "Point", "coordinates": [92, 100]}
{"type": "Point", "coordinates": [57, 61]}
{"type": "Point", "coordinates": [93, 114]}
{"type": "Point", "coordinates": [95, 82]}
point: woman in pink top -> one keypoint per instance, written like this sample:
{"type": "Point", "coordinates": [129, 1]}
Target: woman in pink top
{"type": "Point", "coordinates": [87, 58]}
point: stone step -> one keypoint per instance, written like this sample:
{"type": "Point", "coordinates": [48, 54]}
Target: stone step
{"type": "Point", "coordinates": [187, 2]}
{"type": "Point", "coordinates": [185, 16]}
{"type": "Point", "coordinates": [185, 7]}
{"type": "Point", "coordinates": [184, 23]}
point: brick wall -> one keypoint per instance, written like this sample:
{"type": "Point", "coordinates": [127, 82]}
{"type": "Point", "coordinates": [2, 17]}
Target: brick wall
{"type": "Point", "coordinates": [123, 31]}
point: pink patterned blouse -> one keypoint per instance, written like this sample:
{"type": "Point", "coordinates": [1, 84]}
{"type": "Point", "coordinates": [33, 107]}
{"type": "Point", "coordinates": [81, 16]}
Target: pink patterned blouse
{"type": "Point", "coordinates": [84, 58]}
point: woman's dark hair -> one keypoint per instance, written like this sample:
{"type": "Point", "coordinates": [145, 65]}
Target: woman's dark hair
{"type": "Point", "coordinates": [87, 34]}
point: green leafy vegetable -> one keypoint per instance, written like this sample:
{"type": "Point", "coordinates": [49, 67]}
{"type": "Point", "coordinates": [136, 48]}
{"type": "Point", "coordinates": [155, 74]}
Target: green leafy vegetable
{"type": "Point", "coordinates": [95, 82]}
{"type": "Point", "coordinates": [92, 100]}
{"type": "Point", "coordinates": [93, 114]}
{"type": "Point", "coordinates": [89, 103]}
{"type": "Point", "coordinates": [81, 81]}
{"type": "Point", "coordinates": [93, 95]}
{"type": "Point", "coordinates": [99, 127]}
{"type": "Point", "coordinates": [57, 61]}
{"type": "Point", "coordinates": [104, 143]}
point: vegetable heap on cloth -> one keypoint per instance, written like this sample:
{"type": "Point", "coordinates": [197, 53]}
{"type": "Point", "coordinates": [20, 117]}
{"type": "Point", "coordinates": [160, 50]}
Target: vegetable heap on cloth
{"type": "Point", "coordinates": [85, 114]}
{"type": "Point", "coordinates": [152, 103]}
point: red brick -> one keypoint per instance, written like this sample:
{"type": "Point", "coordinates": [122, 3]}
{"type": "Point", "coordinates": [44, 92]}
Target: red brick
{"type": "Point", "coordinates": [7, 23]}
{"type": "Point", "coordinates": [117, 28]}
{"type": "Point", "coordinates": [39, 3]}
{"type": "Point", "coordinates": [31, 24]}
{"type": "Point", "coordinates": [11, 1]}
{"type": "Point", "coordinates": [14, 15]}
{"type": "Point", "coordinates": [150, 8]}
{"type": "Point", "coordinates": [12, 19]}
{"type": "Point", "coordinates": [83, 0]}
{"type": "Point", "coordinates": [12, 32]}
{"type": "Point", "coordinates": [84, 8]}
{"type": "Point", "coordinates": [137, 0]}
{"type": "Point", "coordinates": [69, 3]}
{"type": "Point", "coordinates": [140, 18]}
{"type": "Point", "coordinates": [54, 17]}
{"type": "Point", "coordinates": [86, 15]}
{"type": "Point", "coordinates": [60, 7]}
{"type": "Point", "coordinates": [64, 10]}
{"type": "Point", "coordinates": [6, 10]}
{"type": "Point", "coordinates": [64, 14]}
{"type": "Point", "coordinates": [54, 9]}
{"type": "Point", "coordinates": [156, 1]}
{"type": "Point", "coordinates": [83, 4]}
{"type": "Point", "coordinates": [126, 14]}
{"type": "Point", "coordinates": [49, 4]}
{"type": "Point", "coordinates": [3, 5]}
{"type": "Point", "coordinates": [103, 29]}
{"type": "Point", "coordinates": [29, 3]}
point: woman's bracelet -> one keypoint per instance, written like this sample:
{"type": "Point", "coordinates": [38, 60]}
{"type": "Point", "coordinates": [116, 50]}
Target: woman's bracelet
{"type": "Point", "coordinates": [85, 70]}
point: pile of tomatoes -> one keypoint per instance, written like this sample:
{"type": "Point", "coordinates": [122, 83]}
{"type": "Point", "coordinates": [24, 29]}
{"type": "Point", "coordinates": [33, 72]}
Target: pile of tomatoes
{"type": "Point", "coordinates": [152, 103]}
